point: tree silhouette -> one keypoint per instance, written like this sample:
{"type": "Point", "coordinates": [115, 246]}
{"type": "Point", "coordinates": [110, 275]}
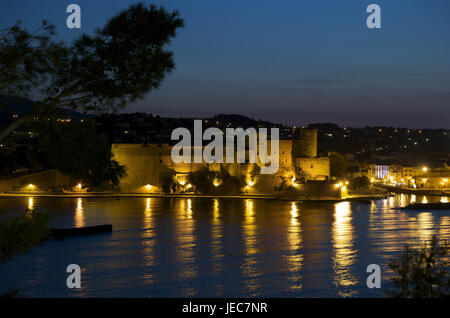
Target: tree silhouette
{"type": "Point", "coordinates": [119, 63]}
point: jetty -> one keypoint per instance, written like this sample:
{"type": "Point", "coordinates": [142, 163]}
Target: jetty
{"type": "Point", "coordinates": [59, 233]}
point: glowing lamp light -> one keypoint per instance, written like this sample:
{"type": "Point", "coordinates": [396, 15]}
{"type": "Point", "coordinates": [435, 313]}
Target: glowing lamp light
{"type": "Point", "coordinates": [216, 183]}
{"type": "Point", "coordinates": [79, 186]}
{"type": "Point", "coordinates": [425, 169]}
{"type": "Point", "coordinates": [189, 186]}
{"type": "Point", "coordinates": [250, 184]}
{"type": "Point", "coordinates": [31, 186]}
{"type": "Point", "coordinates": [148, 187]}
{"type": "Point", "coordinates": [182, 183]}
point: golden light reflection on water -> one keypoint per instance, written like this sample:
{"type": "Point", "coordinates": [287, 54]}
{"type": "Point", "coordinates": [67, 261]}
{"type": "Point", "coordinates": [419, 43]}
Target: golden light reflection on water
{"type": "Point", "coordinates": [30, 203]}
{"type": "Point", "coordinates": [148, 236]}
{"type": "Point", "coordinates": [79, 213]}
{"type": "Point", "coordinates": [216, 244]}
{"type": "Point", "coordinates": [402, 199]}
{"type": "Point", "coordinates": [391, 200]}
{"type": "Point", "coordinates": [186, 243]}
{"type": "Point", "coordinates": [294, 214]}
{"type": "Point", "coordinates": [216, 235]}
{"type": "Point", "coordinates": [250, 249]}
{"type": "Point", "coordinates": [444, 227]}
{"type": "Point", "coordinates": [189, 208]}
{"type": "Point", "coordinates": [295, 257]}
{"type": "Point", "coordinates": [259, 247]}
{"type": "Point", "coordinates": [343, 246]}
{"type": "Point", "coordinates": [425, 224]}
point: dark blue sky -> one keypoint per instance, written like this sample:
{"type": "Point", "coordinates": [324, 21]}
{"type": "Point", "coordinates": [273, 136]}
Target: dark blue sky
{"type": "Point", "coordinates": [294, 62]}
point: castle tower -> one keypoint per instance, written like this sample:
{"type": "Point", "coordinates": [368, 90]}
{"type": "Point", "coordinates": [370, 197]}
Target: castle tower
{"type": "Point", "coordinates": [308, 143]}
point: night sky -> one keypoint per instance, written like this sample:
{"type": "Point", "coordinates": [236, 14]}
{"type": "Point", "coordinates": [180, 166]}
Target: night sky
{"type": "Point", "coordinates": [294, 62]}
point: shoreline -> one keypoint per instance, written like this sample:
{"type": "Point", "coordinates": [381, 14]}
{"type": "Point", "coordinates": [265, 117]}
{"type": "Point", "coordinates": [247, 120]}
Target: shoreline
{"type": "Point", "coordinates": [356, 198]}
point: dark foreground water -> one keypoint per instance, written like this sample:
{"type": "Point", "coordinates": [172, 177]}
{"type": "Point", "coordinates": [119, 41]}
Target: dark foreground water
{"type": "Point", "coordinates": [218, 247]}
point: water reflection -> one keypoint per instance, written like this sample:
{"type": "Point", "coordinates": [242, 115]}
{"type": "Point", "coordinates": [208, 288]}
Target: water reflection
{"type": "Point", "coordinates": [295, 257]}
{"type": "Point", "coordinates": [189, 208]}
{"type": "Point", "coordinates": [148, 239]}
{"type": "Point", "coordinates": [167, 247]}
{"type": "Point", "coordinates": [402, 199]}
{"type": "Point", "coordinates": [250, 250]}
{"type": "Point", "coordinates": [30, 204]}
{"type": "Point", "coordinates": [343, 247]}
{"type": "Point", "coordinates": [216, 245]}
{"type": "Point", "coordinates": [79, 213]}
{"type": "Point", "coordinates": [185, 250]}
{"type": "Point", "coordinates": [425, 225]}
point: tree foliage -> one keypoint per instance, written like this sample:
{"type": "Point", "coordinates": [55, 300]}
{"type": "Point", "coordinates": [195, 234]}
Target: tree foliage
{"type": "Point", "coordinates": [338, 165]}
{"type": "Point", "coordinates": [422, 273]}
{"type": "Point", "coordinates": [119, 63]}
{"type": "Point", "coordinates": [20, 233]}
{"type": "Point", "coordinates": [79, 150]}
{"type": "Point", "coordinates": [361, 182]}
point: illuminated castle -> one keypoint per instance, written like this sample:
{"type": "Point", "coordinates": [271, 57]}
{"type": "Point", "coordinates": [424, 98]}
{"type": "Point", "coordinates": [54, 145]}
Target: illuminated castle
{"type": "Point", "coordinates": [147, 164]}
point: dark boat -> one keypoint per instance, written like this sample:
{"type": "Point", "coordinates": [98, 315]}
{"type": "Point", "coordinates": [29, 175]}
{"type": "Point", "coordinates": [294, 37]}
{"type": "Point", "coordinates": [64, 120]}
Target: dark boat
{"type": "Point", "coordinates": [428, 206]}
{"type": "Point", "coordinates": [81, 230]}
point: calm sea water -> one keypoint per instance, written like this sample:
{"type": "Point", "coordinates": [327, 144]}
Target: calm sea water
{"type": "Point", "coordinates": [169, 247]}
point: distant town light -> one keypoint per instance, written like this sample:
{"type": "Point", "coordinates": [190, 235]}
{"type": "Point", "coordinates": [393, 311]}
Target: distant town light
{"type": "Point", "coordinates": [79, 186]}
{"type": "Point", "coordinates": [31, 186]}
{"type": "Point", "coordinates": [425, 169]}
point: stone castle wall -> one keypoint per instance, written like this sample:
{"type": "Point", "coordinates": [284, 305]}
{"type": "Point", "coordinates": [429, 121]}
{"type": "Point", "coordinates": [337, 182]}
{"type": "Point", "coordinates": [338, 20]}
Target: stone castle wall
{"type": "Point", "coordinates": [147, 164]}
{"type": "Point", "coordinates": [41, 181]}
